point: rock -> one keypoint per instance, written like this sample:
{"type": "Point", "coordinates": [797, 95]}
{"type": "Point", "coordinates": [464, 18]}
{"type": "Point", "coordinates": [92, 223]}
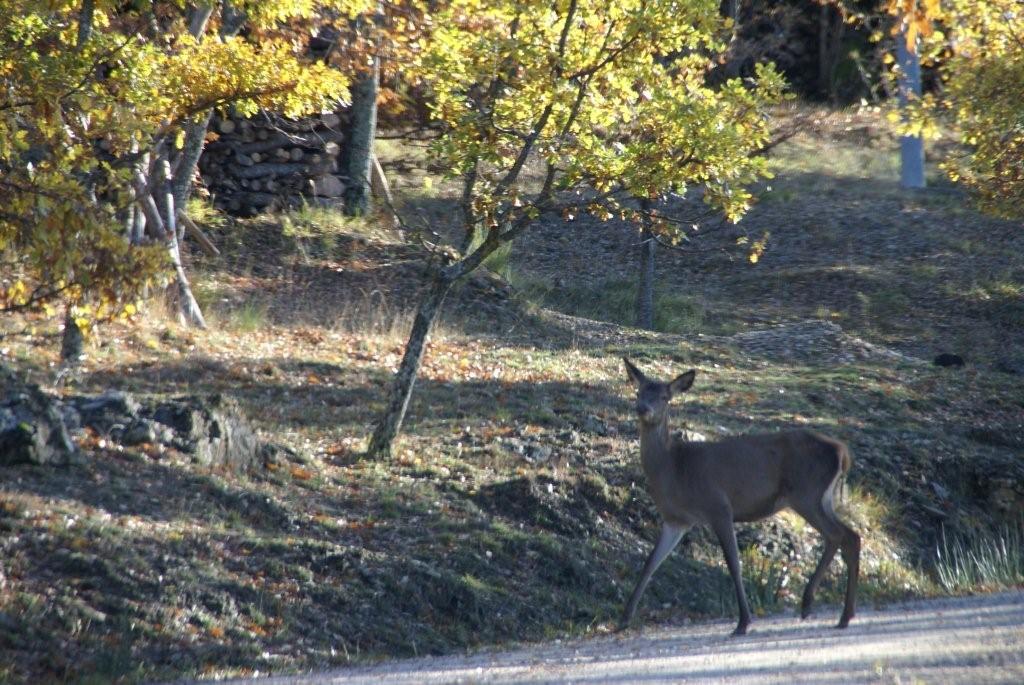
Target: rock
{"type": "Point", "coordinates": [32, 429]}
{"type": "Point", "coordinates": [142, 431]}
{"type": "Point", "coordinates": [538, 453]}
{"type": "Point", "coordinates": [72, 418]}
{"type": "Point", "coordinates": [948, 359]}
{"type": "Point", "coordinates": [514, 445]}
{"type": "Point", "coordinates": [328, 185]}
{"type": "Point", "coordinates": [273, 453]}
{"type": "Point", "coordinates": [104, 412]}
{"type": "Point", "coordinates": [569, 438]}
{"type": "Point", "coordinates": [212, 430]}
{"type": "Point", "coordinates": [593, 424]}
{"type": "Point", "coordinates": [942, 492]}
{"type": "Point", "coordinates": [691, 436]}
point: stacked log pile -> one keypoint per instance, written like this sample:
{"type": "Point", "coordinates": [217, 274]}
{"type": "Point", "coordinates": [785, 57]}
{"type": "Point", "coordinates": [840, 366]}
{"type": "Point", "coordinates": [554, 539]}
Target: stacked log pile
{"type": "Point", "coordinates": [268, 162]}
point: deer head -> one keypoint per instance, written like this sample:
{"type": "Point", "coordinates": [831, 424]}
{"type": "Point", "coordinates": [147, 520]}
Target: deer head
{"type": "Point", "coordinates": [652, 396]}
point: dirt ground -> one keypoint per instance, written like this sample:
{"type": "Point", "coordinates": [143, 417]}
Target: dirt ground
{"type": "Point", "coordinates": [965, 640]}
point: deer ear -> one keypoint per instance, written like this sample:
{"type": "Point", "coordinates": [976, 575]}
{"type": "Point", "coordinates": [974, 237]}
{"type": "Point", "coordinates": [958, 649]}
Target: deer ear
{"type": "Point", "coordinates": [682, 383]}
{"type": "Point", "coordinates": [634, 373]}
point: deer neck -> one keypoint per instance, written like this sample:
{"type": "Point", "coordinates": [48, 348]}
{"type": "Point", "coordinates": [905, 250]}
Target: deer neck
{"type": "Point", "coordinates": [655, 443]}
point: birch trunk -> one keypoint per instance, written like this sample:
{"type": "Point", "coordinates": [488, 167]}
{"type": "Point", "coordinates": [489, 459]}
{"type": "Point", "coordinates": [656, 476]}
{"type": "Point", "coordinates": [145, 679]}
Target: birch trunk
{"type": "Point", "coordinates": [198, 18]}
{"type": "Point", "coordinates": [911, 147]}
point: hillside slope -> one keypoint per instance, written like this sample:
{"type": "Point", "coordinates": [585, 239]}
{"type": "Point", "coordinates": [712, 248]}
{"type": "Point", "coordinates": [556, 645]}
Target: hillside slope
{"type": "Point", "coordinates": [514, 508]}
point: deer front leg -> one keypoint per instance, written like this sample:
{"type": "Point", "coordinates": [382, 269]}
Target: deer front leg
{"type": "Point", "coordinates": [670, 536]}
{"type": "Point", "coordinates": [727, 539]}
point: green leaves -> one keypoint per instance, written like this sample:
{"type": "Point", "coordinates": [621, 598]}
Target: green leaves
{"type": "Point", "coordinates": [984, 91]}
{"type": "Point", "coordinates": [75, 120]}
{"type": "Point", "coordinates": [609, 96]}
{"type": "Point", "coordinates": [980, 58]}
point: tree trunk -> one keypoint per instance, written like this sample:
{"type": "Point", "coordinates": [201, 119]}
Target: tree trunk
{"type": "Point", "coordinates": [911, 147]}
{"type": "Point", "coordinates": [401, 390]}
{"type": "Point", "coordinates": [831, 28]}
{"type": "Point", "coordinates": [645, 284]}
{"type": "Point", "coordinates": [85, 19]}
{"type": "Point", "coordinates": [189, 312]}
{"type": "Point", "coordinates": [359, 145]}
{"type": "Point", "coordinates": [72, 344]}
{"type": "Point", "coordinates": [198, 17]}
{"type": "Point", "coordinates": [731, 10]}
{"type": "Point", "coordinates": [468, 214]}
{"type": "Point", "coordinates": [188, 158]}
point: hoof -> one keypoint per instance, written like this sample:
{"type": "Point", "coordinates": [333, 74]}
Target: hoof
{"type": "Point", "coordinates": [804, 613]}
{"type": "Point", "coordinates": [843, 622]}
{"type": "Point", "coordinates": [740, 630]}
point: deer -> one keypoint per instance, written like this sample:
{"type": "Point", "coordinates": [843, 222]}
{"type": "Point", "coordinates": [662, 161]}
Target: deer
{"type": "Point", "coordinates": [739, 479]}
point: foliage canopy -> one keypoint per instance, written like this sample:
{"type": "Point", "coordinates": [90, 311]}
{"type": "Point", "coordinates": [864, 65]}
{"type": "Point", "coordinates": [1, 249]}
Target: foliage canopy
{"type": "Point", "coordinates": [610, 97]}
{"type": "Point", "coordinates": [984, 91]}
{"type": "Point", "coordinates": [978, 49]}
{"type": "Point", "coordinates": [90, 92]}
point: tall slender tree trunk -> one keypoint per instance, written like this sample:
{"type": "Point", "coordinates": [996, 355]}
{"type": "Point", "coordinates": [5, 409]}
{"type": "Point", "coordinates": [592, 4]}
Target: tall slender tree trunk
{"type": "Point", "coordinates": [468, 215]}
{"type": "Point", "coordinates": [911, 147]}
{"type": "Point", "coordinates": [831, 28]}
{"type": "Point", "coordinates": [232, 20]}
{"type": "Point", "coordinates": [645, 284]}
{"type": "Point", "coordinates": [359, 146]}
{"type": "Point", "coordinates": [85, 19]}
{"type": "Point", "coordinates": [72, 341]}
{"type": "Point", "coordinates": [405, 379]}
{"type": "Point", "coordinates": [188, 308]}
{"type": "Point", "coordinates": [188, 157]}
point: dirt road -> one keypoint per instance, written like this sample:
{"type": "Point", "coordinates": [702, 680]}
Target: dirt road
{"type": "Point", "coordinates": [967, 640]}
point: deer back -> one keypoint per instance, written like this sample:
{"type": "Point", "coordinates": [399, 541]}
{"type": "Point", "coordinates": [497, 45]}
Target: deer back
{"type": "Point", "coordinates": [754, 475]}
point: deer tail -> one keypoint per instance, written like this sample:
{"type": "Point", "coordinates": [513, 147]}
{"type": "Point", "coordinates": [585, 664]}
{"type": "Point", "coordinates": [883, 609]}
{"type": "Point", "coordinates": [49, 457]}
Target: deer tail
{"type": "Point", "coordinates": [845, 462]}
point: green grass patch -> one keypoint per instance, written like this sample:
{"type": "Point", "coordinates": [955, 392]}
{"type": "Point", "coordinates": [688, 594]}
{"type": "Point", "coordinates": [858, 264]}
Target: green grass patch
{"type": "Point", "coordinates": [972, 563]}
{"type": "Point", "coordinates": [614, 300]}
{"type": "Point", "coordinates": [249, 318]}
{"type": "Point", "coordinates": [203, 212]}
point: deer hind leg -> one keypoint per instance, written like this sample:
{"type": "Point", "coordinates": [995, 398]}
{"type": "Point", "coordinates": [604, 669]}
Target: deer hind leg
{"type": "Point", "coordinates": [831, 547]}
{"type": "Point", "coordinates": [851, 555]}
{"type": "Point", "coordinates": [723, 528]}
{"type": "Point", "coordinates": [837, 536]}
{"type": "Point", "coordinates": [670, 536]}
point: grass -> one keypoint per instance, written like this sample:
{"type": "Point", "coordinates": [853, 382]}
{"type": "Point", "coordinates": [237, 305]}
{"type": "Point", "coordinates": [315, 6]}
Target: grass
{"type": "Point", "coordinates": [205, 214]}
{"type": "Point", "coordinates": [614, 300]}
{"type": "Point", "coordinates": [250, 317]}
{"type": "Point", "coordinates": [981, 562]}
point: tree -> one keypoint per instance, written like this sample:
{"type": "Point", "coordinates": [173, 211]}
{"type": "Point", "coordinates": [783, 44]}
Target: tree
{"type": "Point", "coordinates": [979, 55]}
{"type": "Point", "coordinates": [359, 144]}
{"type": "Point", "coordinates": [358, 153]}
{"type": "Point", "coordinates": [983, 78]}
{"type": "Point", "coordinates": [911, 22]}
{"type": "Point", "coordinates": [608, 97]}
{"type": "Point", "coordinates": [99, 104]}
{"type": "Point", "coordinates": [645, 284]}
